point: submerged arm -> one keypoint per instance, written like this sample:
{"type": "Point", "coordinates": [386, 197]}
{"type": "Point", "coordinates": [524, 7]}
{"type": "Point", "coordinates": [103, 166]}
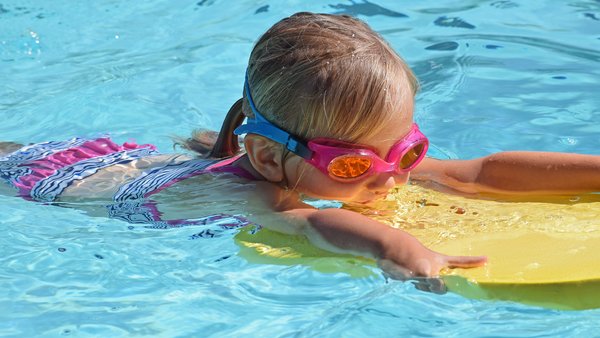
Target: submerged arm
{"type": "Point", "coordinates": [515, 172]}
{"type": "Point", "coordinates": [345, 231]}
{"type": "Point", "coordinates": [397, 252]}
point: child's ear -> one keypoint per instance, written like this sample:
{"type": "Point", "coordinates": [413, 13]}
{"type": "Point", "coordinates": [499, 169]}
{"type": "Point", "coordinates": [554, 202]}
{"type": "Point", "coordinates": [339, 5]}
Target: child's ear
{"type": "Point", "coordinates": [265, 156]}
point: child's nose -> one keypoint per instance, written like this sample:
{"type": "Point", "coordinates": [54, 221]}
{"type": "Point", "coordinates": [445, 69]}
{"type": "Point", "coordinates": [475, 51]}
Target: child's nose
{"type": "Point", "coordinates": [401, 179]}
{"type": "Point", "coordinates": [385, 182]}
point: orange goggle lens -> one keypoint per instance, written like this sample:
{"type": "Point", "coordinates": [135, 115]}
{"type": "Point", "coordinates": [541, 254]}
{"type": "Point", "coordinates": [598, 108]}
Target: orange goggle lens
{"type": "Point", "coordinates": [411, 156]}
{"type": "Point", "coordinates": [354, 166]}
{"type": "Point", "coordinates": [349, 166]}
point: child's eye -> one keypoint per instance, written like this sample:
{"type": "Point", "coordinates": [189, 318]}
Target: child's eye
{"type": "Point", "coordinates": [349, 166]}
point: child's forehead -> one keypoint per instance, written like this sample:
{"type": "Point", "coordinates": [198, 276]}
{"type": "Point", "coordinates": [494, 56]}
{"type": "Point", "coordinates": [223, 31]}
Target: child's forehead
{"type": "Point", "coordinates": [400, 118]}
{"type": "Point", "coordinates": [394, 121]}
{"type": "Point", "coordinates": [397, 125]}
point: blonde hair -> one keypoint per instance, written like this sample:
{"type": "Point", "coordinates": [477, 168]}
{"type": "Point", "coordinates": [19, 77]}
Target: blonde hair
{"type": "Point", "coordinates": [318, 75]}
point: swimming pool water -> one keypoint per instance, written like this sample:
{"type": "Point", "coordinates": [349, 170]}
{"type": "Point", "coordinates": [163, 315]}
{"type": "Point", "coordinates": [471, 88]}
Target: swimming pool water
{"type": "Point", "coordinates": [495, 75]}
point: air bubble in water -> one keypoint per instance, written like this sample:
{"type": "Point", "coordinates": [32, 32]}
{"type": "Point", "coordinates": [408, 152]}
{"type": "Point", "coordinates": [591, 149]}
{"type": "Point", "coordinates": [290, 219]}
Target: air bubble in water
{"type": "Point", "coordinates": [570, 141]}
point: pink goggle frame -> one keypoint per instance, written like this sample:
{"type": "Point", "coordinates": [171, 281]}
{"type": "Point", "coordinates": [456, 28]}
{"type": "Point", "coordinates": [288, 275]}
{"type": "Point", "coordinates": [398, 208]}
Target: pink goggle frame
{"type": "Point", "coordinates": [345, 161]}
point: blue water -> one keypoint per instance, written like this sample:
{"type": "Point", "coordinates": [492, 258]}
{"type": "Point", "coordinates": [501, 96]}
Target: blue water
{"type": "Point", "coordinates": [495, 75]}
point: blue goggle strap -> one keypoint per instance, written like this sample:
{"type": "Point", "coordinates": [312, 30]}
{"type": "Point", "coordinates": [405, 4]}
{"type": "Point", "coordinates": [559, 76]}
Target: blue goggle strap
{"type": "Point", "coordinates": [261, 126]}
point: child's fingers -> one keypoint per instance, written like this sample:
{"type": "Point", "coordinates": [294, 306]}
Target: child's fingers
{"type": "Point", "coordinates": [394, 270]}
{"type": "Point", "coordinates": [433, 285]}
{"type": "Point", "coordinates": [465, 261]}
{"type": "Point", "coordinates": [428, 284]}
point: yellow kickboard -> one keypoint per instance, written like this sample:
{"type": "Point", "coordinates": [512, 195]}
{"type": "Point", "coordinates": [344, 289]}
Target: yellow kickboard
{"type": "Point", "coordinates": [544, 253]}
{"type": "Point", "coordinates": [557, 271]}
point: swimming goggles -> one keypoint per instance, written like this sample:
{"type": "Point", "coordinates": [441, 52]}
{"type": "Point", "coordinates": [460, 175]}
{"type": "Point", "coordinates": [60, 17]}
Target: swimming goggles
{"type": "Point", "coordinates": [340, 160]}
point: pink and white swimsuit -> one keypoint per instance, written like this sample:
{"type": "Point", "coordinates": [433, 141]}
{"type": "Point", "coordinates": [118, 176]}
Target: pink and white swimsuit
{"type": "Point", "coordinates": [42, 171]}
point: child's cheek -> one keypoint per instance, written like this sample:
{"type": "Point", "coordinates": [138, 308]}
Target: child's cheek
{"type": "Point", "coordinates": [298, 171]}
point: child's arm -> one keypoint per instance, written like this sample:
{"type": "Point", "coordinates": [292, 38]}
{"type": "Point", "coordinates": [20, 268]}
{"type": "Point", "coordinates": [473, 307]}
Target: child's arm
{"type": "Point", "coordinates": [515, 172]}
{"type": "Point", "coordinates": [345, 231]}
{"type": "Point", "coordinates": [396, 251]}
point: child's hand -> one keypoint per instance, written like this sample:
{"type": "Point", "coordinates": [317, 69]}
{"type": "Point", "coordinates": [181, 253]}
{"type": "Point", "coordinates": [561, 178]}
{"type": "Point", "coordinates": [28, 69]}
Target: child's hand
{"type": "Point", "coordinates": [403, 257]}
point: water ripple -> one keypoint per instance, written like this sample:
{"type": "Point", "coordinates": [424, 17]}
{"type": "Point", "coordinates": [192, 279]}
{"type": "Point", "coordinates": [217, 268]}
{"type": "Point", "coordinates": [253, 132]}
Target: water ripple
{"type": "Point", "coordinates": [547, 44]}
{"type": "Point", "coordinates": [366, 8]}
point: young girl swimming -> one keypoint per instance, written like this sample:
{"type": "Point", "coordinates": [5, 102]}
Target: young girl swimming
{"type": "Point", "coordinates": [329, 115]}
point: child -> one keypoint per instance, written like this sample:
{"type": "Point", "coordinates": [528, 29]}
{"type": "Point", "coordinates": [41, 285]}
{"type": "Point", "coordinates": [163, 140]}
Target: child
{"type": "Point", "coordinates": [329, 109]}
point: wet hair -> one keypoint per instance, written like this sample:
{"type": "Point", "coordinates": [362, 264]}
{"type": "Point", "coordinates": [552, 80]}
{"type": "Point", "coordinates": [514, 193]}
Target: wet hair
{"type": "Point", "coordinates": [317, 75]}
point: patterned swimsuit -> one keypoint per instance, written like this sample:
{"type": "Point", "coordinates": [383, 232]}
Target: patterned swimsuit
{"type": "Point", "coordinates": [42, 171]}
